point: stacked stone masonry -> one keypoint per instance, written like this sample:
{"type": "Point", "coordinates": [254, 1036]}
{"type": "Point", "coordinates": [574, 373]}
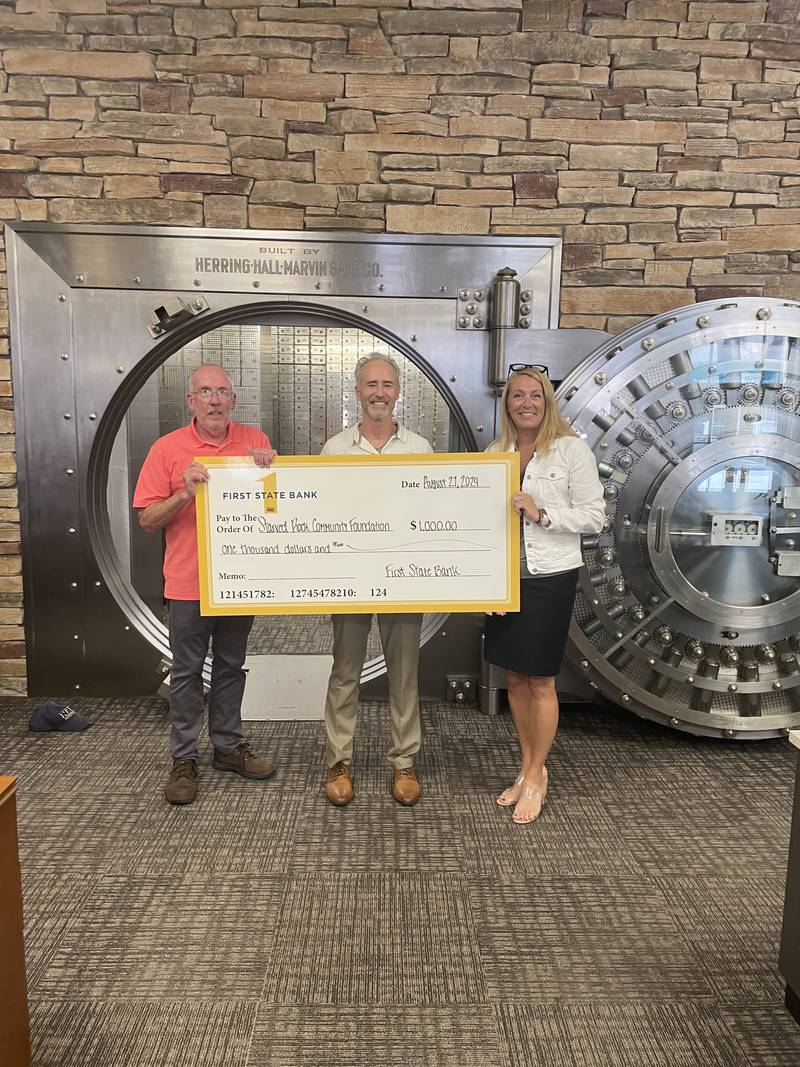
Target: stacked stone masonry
{"type": "Point", "coordinates": [660, 140]}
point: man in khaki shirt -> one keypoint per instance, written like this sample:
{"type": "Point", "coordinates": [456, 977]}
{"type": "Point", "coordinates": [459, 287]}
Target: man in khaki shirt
{"type": "Point", "coordinates": [377, 389]}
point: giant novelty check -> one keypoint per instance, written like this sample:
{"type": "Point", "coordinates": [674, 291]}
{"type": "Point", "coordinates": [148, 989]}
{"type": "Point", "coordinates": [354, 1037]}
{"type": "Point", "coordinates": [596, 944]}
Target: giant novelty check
{"type": "Point", "coordinates": [316, 534]}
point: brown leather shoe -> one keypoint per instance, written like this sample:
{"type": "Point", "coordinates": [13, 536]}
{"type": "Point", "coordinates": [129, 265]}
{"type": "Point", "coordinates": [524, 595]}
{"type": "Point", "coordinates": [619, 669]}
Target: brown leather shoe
{"type": "Point", "coordinates": [339, 786]}
{"type": "Point", "coordinates": [405, 786]}
{"type": "Point", "coordinates": [243, 761]}
{"type": "Point", "coordinates": [181, 787]}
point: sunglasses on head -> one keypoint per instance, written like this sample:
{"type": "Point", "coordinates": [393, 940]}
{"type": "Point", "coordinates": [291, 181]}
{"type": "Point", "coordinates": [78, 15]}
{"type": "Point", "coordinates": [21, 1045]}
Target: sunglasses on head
{"type": "Point", "coordinates": [528, 366]}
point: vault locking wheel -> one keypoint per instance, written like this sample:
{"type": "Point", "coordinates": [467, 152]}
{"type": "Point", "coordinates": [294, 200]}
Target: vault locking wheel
{"type": "Point", "coordinates": [688, 610]}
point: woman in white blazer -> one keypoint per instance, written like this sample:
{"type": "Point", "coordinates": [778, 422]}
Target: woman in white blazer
{"type": "Point", "coordinates": [560, 498]}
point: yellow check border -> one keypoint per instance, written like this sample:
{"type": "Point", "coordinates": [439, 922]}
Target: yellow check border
{"type": "Point", "coordinates": [436, 459]}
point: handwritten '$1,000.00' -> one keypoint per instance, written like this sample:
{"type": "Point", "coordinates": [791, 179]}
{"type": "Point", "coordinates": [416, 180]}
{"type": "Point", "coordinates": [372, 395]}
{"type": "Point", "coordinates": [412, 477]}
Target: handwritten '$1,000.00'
{"type": "Point", "coordinates": [395, 533]}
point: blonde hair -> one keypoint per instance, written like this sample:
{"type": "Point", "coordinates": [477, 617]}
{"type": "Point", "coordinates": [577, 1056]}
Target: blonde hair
{"type": "Point", "coordinates": [552, 426]}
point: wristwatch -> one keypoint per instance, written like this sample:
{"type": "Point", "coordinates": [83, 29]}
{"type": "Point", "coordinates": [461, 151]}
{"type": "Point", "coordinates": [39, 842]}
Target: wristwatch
{"type": "Point", "coordinates": [544, 519]}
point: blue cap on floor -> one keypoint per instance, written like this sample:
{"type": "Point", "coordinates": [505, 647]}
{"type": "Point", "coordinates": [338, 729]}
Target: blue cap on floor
{"type": "Point", "coordinates": [53, 716]}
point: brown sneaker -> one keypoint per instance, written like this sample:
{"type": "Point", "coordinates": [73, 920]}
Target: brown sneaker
{"type": "Point", "coordinates": [181, 787]}
{"type": "Point", "coordinates": [405, 786]}
{"type": "Point", "coordinates": [243, 761]}
{"type": "Point", "coordinates": [339, 786]}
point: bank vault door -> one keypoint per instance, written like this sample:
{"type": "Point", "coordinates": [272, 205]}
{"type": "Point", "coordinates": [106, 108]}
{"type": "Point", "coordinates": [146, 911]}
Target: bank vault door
{"type": "Point", "coordinates": [107, 326]}
{"type": "Point", "coordinates": [688, 610]}
{"type": "Point", "coordinates": [295, 379]}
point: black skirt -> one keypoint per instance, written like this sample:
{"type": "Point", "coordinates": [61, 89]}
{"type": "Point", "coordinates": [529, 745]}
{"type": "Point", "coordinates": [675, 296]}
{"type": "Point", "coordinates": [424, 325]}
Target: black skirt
{"type": "Point", "coordinates": [532, 640]}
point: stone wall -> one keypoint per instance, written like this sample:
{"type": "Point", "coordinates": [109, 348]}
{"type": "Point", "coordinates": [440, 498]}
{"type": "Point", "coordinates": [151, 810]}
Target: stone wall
{"type": "Point", "coordinates": [659, 138]}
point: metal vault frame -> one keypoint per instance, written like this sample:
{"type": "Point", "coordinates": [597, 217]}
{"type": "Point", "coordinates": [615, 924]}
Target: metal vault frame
{"type": "Point", "coordinates": [95, 310]}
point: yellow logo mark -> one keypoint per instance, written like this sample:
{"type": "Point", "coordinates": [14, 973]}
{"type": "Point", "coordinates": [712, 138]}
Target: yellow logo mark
{"type": "Point", "coordinates": [270, 485]}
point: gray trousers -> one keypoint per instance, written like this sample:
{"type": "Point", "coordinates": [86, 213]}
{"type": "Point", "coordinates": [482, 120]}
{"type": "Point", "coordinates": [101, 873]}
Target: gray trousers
{"type": "Point", "coordinates": [400, 640]}
{"type": "Point", "coordinates": [189, 636]}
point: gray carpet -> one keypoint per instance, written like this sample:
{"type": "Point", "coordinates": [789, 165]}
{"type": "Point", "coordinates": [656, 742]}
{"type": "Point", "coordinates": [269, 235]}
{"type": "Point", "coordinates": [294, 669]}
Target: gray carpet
{"type": "Point", "coordinates": [636, 924]}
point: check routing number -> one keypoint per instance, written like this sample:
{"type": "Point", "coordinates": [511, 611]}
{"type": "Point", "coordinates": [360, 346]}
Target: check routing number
{"type": "Point", "coordinates": [318, 534]}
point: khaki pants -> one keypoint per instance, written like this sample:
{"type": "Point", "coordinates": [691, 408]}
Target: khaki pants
{"type": "Point", "coordinates": [400, 640]}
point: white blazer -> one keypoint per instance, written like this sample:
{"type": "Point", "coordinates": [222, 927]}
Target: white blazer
{"type": "Point", "coordinates": [563, 481]}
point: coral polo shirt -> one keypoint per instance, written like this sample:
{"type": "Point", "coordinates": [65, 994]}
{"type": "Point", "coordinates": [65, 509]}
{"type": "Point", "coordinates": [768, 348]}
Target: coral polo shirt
{"type": "Point", "coordinates": [162, 476]}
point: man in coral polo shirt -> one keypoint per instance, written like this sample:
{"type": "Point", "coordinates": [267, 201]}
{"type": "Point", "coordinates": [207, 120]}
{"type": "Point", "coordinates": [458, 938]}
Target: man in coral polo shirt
{"type": "Point", "coordinates": [165, 498]}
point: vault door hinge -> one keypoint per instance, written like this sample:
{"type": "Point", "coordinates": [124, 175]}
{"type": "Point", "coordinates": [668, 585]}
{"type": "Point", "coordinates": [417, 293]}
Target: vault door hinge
{"type": "Point", "coordinates": [503, 306]}
{"type": "Point", "coordinates": [173, 312]}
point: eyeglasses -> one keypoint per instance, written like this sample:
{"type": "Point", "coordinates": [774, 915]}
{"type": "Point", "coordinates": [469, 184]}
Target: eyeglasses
{"type": "Point", "coordinates": [205, 393]}
{"type": "Point", "coordinates": [528, 366]}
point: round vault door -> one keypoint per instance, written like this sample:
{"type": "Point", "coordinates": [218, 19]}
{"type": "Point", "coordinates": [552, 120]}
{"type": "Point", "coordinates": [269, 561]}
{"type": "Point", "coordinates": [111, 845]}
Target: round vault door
{"type": "Point", "coordinates": [296, 381]}
{"type": "Point", "coordinates": [689, 605]}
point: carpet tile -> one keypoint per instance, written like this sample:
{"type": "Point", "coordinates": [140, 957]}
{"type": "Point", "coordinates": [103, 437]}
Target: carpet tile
{"type": "Point", "coordinates": [768, 1037]}
{"type": "Point", "coordinates": [617, 1035]}
{"type": "Point", "coordinates": [375, 939]}
{"type": "Point", "coordinates": [699, 833]}
{"type": "Point", "coordinates": [192, 937]}
{"type": "Point", "coordinates": [593, 937]}
{"type": "Point", "coordinates": [425, 1036]}
{"type": "Point", "coordinates": [80, 1033]}
{"type": "Point", "coordinates": [53, 900]}
{"type": "Point", "coordinates": [375, 833]}
{"type": "Point", "coordinates": [574, 836]}
{"type": "Point", "coordinates": [84, 830]}
{"type": "Point", "coordinates": [233, 831]}
{"type": "Point", "coordinates": [729, 922]}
